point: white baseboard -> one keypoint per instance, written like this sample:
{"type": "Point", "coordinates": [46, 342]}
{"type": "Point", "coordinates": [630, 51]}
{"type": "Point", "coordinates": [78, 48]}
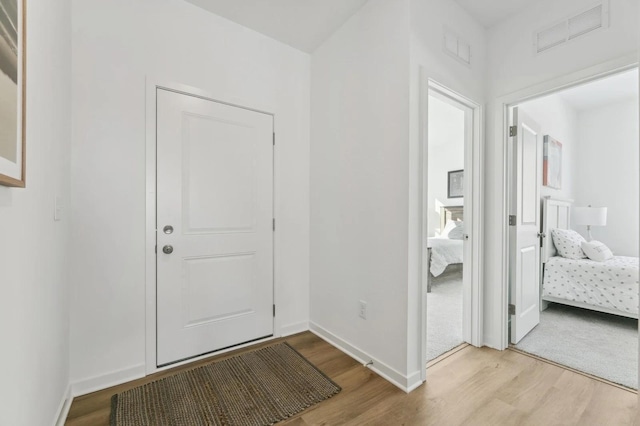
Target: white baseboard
{"type": "Point", "coordinates": [406, 383]}
{"type": "Point", "coordinates": [414, 381]}
{"type": "Point", "coordinates": [63, 409]}
{"type": "Point", "coordinates": [107, 380]}
{"type": "Point", "coordinates": [299, 327]}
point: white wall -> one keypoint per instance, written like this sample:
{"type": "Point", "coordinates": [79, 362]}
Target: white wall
{"type": "Point", "coordinates": [559, 120]}
{"type": "Point", "coordinates": [446, 153]}
{"type": "Point", "coordinates": [116, 45]}
{"type": "Point", "coordinates": [359, 172]}
{"type": "Point", "coordinates": [34, 323]}
{"type": "Point", "coordinates": [514, 67]}
{"type": "Point", "coordinates": [607, 173]}
{"type": "Point", "coordinates": [428, 21]}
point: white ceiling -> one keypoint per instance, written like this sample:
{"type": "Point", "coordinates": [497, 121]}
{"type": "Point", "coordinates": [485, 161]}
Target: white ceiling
{"type": "Point", "coordinates": [303, 24]}
{"type": "Point", "coordinates": [491, 12]}
{"type": "Point", "coordinates": [618, 88]}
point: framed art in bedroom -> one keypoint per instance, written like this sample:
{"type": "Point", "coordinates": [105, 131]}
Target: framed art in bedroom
{"type": "Point", "coordinates": [12, 93]}
{"type": "Point", "coordinates": [552, 163]}
{"type": "Point", "coordinates": [455, 180]}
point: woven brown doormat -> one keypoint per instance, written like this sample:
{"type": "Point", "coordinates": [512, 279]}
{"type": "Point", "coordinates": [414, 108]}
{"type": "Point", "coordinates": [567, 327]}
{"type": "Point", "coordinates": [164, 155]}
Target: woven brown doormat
{"type": "Point", "coordinates": [255, 388]}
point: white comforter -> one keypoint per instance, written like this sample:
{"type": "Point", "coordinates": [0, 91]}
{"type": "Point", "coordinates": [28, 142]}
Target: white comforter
{"type": "Point", "coordinates": [612, 284]}
{"type": "Point", "coordinates": [444, 252]}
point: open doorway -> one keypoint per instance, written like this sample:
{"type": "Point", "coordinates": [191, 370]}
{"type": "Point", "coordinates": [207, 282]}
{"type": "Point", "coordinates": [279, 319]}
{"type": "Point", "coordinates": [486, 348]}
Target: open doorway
{"type": "Point", "coordinates": [451, 200]}
{"type": "Point", "coordinates": [449, 130]}
{"type": "Point", "coordinates": [573, 165]}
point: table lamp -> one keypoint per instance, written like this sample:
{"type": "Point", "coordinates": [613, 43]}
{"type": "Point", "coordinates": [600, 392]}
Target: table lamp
{"type": "Point", "coordinates": [590, 216]}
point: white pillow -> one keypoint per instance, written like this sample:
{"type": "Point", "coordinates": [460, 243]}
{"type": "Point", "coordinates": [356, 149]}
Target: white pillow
{"type": "Point", "coordinates": [457, 233]}
{"type": "Point", "coordinates": [596, 250]}
{"type": "Point", "coordinates": [567, 242]}
{"type": "Point", "coordinates": [448, 227]}
{"type": "Point", "coordinates": [454, 230]}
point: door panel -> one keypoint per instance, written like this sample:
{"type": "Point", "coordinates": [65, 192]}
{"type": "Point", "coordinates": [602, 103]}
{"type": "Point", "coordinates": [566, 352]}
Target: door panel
{"type": "Point", "coordinates": [228, 158]}
{"type": "Point", "coordinates": [525, 243]}
{"type": "Point", "coordinates": [218, 288]}
{"type": "Point", "coordinates": [215, 189]}
{"type": "Point", "coordinates": [530, 200]}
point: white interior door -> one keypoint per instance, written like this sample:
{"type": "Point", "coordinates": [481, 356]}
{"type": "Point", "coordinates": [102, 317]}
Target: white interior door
{"type": "Point", "coordinates": [214, 226]}
{"type": "Point", "coordinates": [525, 243]}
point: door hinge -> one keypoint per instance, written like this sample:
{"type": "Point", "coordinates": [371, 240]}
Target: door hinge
{"type": "Point", "coordinates": [274, 138]}
{"type": "Point", "coordinates": [274, 224]}
{"type": "Point", "coordinates": [274, 311]}
{"type": "Point", "coordinates": [513, 131]}
{"type": "Point", "coordinates": [512, 220]}
{"type": "Point", "coordinates": [512, 309]}
{"type": "Point", "coordinates": [156, 249]}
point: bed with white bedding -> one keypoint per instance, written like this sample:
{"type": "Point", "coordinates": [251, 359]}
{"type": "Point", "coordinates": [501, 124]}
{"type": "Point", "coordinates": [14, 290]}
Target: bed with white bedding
{"type": "Point", "coordinates": [444, 252]}
{"type": "Point", "coordinates": [448, 248]}
{"type": "Point", "coordinates": [611, 286]}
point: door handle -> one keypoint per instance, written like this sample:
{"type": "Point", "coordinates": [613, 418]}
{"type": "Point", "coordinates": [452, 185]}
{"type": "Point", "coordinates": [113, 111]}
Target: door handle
{"type": "Point", "coordinates": [168, 229]}
{"type": "Point", "coordinates": [167, 249]}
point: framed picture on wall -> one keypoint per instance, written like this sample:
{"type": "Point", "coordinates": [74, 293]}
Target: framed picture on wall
{"type": "Point", "coordinates": [12, 93]}
{"type": "Point", "coordinates": [455, 182]}
{"type": "Point", "coordinates": [552, 163]}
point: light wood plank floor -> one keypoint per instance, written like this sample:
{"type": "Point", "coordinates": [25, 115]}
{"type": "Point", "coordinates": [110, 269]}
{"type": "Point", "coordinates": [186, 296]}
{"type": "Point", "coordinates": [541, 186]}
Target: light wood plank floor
{"type": "Point", "coordinates": [470, 387]}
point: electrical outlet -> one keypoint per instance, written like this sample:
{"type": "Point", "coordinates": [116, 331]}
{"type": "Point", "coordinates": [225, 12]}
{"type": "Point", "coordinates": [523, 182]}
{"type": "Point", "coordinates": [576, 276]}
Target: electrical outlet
{"type": "Point", "coordinates": [363, 310]}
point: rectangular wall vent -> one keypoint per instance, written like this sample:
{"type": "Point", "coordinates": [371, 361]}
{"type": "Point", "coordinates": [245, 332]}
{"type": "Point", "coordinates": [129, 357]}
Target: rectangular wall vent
{"type": "Point", "coordinates": [594, 18]}
{"type": "Point", "coordinates": [585, 22]}
{"type": "Point", "coordinates": [456, 47]}
{"type": "Point", "coordinates": [551, 37]}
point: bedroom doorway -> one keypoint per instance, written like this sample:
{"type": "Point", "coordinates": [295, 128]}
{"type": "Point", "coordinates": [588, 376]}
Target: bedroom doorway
{"type": "Point", "coordinates": [451, 185]}
{"type": "Point", "coordinates": [573, 235]}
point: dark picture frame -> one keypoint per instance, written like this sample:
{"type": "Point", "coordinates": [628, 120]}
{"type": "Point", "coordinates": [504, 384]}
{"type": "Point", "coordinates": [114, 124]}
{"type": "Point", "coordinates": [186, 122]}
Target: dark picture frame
{"type": "Point", "coordinates": [455, 184]}
{"type": "Point", "coordinates": [13, 88]}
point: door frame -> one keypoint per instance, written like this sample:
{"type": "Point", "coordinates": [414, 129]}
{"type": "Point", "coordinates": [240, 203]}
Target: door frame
{"type": "Point", "coordinates": [152, 85]}
{"type": "Point", "coordinates": [474, 153]}
{"type": "Point", "coordinates": [503, 118]}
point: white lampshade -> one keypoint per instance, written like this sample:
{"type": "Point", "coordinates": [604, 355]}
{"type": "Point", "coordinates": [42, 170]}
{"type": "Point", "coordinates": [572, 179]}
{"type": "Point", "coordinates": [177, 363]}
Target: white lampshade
{"type": "Point", "coordinates": [592, 216]}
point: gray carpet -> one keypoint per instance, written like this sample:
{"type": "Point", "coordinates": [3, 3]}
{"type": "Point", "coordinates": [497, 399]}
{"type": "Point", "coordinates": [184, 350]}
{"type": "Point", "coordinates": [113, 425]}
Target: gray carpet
{"type": "Point", "coordinates": [444, 312]}
{"type": "Point", "coordinates": [600, 344]}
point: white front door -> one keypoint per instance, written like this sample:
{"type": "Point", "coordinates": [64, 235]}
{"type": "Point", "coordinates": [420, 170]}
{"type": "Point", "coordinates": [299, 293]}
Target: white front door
{"type": "Point", "coordinates": [525, 213]}
{"type": "Point", "coordinates": [214, 226]}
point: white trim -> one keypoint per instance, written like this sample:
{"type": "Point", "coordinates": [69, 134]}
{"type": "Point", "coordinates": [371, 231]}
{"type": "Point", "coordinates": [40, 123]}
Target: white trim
{"type": "Point", "coordinates": [406, 383]}
{"type": "Point", "coordinates": [107, 380]}
{"type": "Point", "coordinates": [474, 157]}
{"type": "Point", "coordinates": [589, 307]}
{"type": "Point", "coordinates": [63, 408]}
{"type": "Point", "coordinates": [502, 106]}
{"type": "Point", "coordinates": [295, 328]}
{"type": "Point", "coordinates": [152, 84]}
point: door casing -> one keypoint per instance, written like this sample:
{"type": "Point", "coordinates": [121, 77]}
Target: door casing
{"type": "Point", "coordinates": [502, 120]}
{"type": "Point", "coordinates": [152, 84]}
{"type": "Point", "coordinates": [474, 153]}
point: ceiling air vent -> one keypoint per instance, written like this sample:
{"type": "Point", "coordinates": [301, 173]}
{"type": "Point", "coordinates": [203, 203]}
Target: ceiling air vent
{"type": "Point", "coordinates": [584, 22]}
